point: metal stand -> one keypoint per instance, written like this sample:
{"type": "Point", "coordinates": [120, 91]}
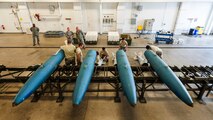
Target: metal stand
{"type": "Point", "coordinates": [142, 99]}
{"type": "Point", "coordinates": [60, 92]}
{"type": "Point", "coordinates": [198, 79]}
{"type": "Point", "coordinates": [117, 87]}
{"type": "Point", "coordinates": [201, 93]}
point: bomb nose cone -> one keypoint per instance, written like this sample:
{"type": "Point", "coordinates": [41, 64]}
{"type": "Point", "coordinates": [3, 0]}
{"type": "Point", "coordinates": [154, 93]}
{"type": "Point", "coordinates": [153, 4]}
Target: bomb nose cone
{"type": "Point", "coordinates": [191, 105]}
{"type": "Point", "coordinates": [133, 105]}
{"type": "Point", "coordinates": [75, 105]}
{"type": "Point", "coordinates": [14, 104]}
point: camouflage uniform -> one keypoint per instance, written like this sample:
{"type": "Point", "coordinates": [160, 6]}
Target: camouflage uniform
{"type": "Point", "coordinates": [35, 33]}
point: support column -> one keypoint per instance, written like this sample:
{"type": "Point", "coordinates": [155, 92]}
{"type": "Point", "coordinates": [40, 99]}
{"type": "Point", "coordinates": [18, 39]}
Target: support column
{"type": "Point", "coordinates": [101, 19]}
{"type": "Point", "coordinates": [31, 19]}
{"type": "Point", "coordinates": [178, 15]}
{"type": "Point", "coordinates": [209, 23]}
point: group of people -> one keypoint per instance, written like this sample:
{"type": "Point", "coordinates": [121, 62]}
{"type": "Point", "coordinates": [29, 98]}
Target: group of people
{"type": "Point", "coordinates": [123, 46]}
{"type": "Point", "coordinates": [74, 55]}
{"type": "Point", "coordinates": [69, 35]}
{"type": "Point", "coordinates": [79, 35]}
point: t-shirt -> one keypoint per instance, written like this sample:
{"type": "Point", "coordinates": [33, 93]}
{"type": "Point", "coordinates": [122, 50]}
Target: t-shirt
{"type": "Point", "coordinates": [123, 43]}
{"type": "Point", "coordinates": [78, 51]}
{"type": "Point", "coordinates": [69, 50]}
{"type": "Point", "coordinates": [97, 59]}
{"type": "Point", "coordinates": [155, 48]}
{"type": "Point", "coordinates": [104, 53]}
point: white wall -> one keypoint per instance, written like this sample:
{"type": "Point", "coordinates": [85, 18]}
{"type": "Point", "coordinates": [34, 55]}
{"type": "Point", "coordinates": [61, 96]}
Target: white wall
{"type": "Point", "coordinates": [88, 16]}
{"type": "Point", "coordinates": [24, 17]}
{"type": "Point", "coordinates": [67, 12]}
{"type": "Point", "coordinates": [124, 15]}
{"type": "Point", "coordinates": [121, 16]}
{"type": "Point", "coordinates": [105, 0]}
{"type": "Point", "coordinates": [49, 21]}
{"type": "Point", "coordinates": [192, 14]}
{"type": "Point", "coordinates": [8, 19]}
{"type": "Point", "coordinates": [109, 9]}
{"type": "Point", "coordinates": [163, 13]}
{"type": "Point", "coordinates": [73, 11]}
{"type": "Point", "coordinates": [127, 14]}
{"type": "Point", "coordinates": [169, 16]}
{"type": "Point", "coordinates": [91, 17]}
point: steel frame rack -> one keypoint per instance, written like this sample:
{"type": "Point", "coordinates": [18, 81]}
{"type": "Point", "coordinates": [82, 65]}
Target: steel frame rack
{"type": "Point", "coordinates": [198, 79]}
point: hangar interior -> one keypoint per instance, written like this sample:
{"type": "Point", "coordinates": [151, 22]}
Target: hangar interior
{"type": "Point", "coordinates": [181, 28]}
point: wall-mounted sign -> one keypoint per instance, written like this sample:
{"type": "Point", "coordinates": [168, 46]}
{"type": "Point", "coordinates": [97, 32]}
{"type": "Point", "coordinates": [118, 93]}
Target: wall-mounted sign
{"type": "Point", "coordinates": [67, 18]}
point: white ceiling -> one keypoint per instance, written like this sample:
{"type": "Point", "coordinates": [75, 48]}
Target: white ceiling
{"type": "Point", "coordinates": [106, 0]}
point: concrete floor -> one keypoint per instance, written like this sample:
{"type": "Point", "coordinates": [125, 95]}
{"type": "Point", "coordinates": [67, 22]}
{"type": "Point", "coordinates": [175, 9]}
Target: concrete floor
{"type": "Point", "coordinates": [101, 106]}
